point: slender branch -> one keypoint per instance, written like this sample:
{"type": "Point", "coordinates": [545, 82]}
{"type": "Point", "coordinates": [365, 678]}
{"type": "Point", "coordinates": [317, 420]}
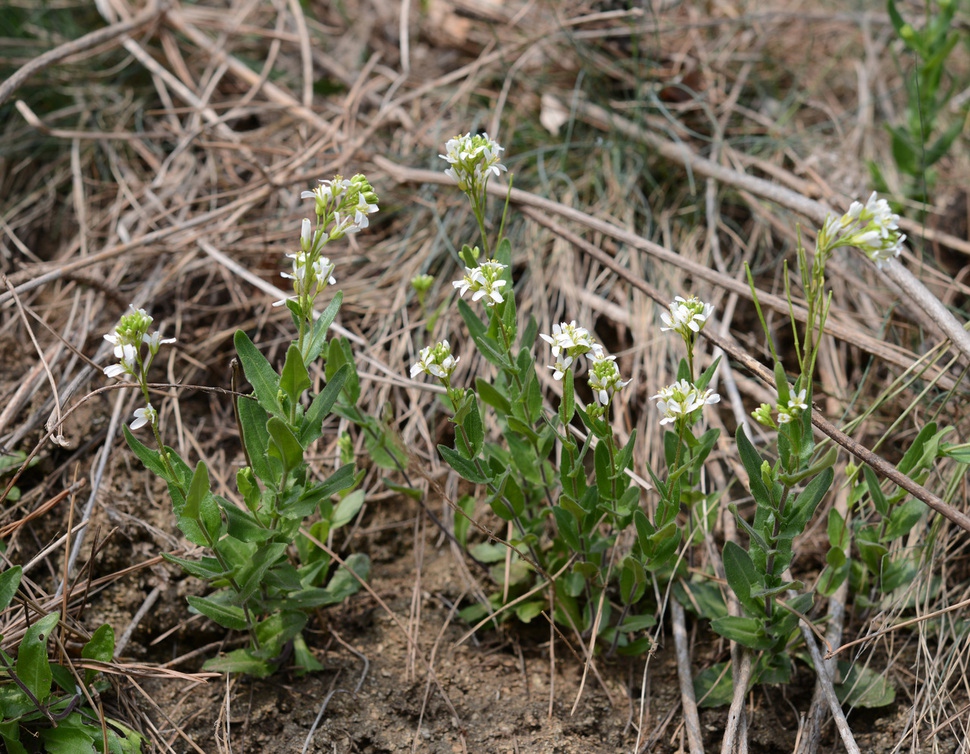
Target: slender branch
{"type": "Point", "coordinates": [692, 721]}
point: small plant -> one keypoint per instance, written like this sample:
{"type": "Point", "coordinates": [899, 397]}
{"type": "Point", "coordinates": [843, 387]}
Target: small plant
{"type": "Point", "coordinates": [918, 144]}
{"type": "Point", "coordinates": [563, 520]}
{"type": "Point", "coordinates": [47, 706]}
{"type": "Point", "coordinates": [269, 561]}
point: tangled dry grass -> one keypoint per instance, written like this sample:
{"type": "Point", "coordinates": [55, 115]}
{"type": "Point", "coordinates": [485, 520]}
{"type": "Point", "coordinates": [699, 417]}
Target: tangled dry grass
{"type": "Point", "coordinates": [159, 161]}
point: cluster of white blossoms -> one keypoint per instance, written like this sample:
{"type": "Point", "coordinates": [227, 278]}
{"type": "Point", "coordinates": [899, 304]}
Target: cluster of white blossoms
{"type": "Point", "coordinates": [484, 281]}
{"type": "Point", "coordinates": [681, 399]}
{"type": "Point", "coordinates": [570, 341]}
{"type": "Point", "coordinates": [135, 348]}
{"type": "Point", "coordinates": [872, 228]}
{"type": "Point", "coordinates": [472, 160]}
{"type": "Point", "coordinates": [437, 361]}
{"type": "Point", "coordinates": [604, 377]}
{"type": "Point", "coordinates": [784, 414]}
{"type": "Point", "coordinates": [343, 205]}
{"type": "Point", "coordinates": [686, 316]}
{"type": "Point", "coordinates": [678, 402]}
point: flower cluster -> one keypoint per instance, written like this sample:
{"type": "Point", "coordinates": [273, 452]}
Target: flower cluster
{"type": "Point", "coordinates": [872, 228]}
{"type": "Point", "coordinates": [437, 361]}
{"type": "Point", "coordinates": [569, 342]}
{"type": "Point", "coordinates": [343, 205]}
{"type": "Point", "coordinates": [472, 160]}
{"type": "Point", "coordinates": [784, 413]}
{"type": "Point", "coordinates": [135, 348]}
{"type": "Point", "coordinates": [678, 401]}
{"type": "Point", "coordinates": [686, 317]}
{"type": "Point", "coordinates": [604, 377]}
{"type": "Point", "coordinates": [483, 281]}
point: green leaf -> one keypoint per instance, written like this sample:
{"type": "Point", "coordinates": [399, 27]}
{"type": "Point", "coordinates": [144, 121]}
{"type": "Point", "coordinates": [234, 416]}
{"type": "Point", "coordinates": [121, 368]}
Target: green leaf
{"type": "Point", "coordinates": [491, 396]}
{"type": "Point", "coordinates": [9, 582]}
{"type": "Point", "coordinates": [207, 569]}
{"type": "Point", "coordinates": [252, 419]}
{"type": "Point", "coordinates": [633, 581]}
{"type": "Point", "coordinates": [303, 658]}
{"type": "Point", "coordinates": [568, 528]}
{"type": "Point", "coordinates": [526, 611]}
{"type": "Point", "coordinates": [463, 466]}
{"type": "Point", "coordinates": [33, 666]}
{"type": "Point", "coordinates": [344, 583]}
{"type": "Point", "coordinates": [320, 408]}
{"type": "Point", "coordinates": [295, 378]}
{"type": "Point", "coordinates": [487, 346]}
{"type": "Point", "coordinates": [347, 509]}
{"type": "Point", "coordinates": [240, 661]}
{"type": "Point", "coordinates": [864, 687]}
{"type": "Point", "coordinates": [198, 490]}
{"type": "Point", "coordinates": [752, 464]}
{"type": "Point", "coordinates": [153, 462]}
{"type": "Point", "coordinates": [508, 502]}
{"type": "Point", "coordinates": [742, 577]}
{"type": "Point", "coordinates": [283, 443]}
{"type": "Point", "coordinates": [875, 491]}
{"type": "Point", "coordinates": [71, 736]}
{"type": "Point", "coordinates": [318, 336]}
{"type": "Point", "coordinates": [10, 735]}
{"type": "Point", "coordinates": [462, 523]}
{"type": "Point", "coordinates": [259, 372]}
{"type": "Point", "coordinates": [227, 616]}
{"type": "Point", "coordinates": [533, 395]}
{"type": "Point", "coordinates": [803, 507]}
{"type": "Point", "coordinates": [714, 686]}
{"type": "Point", "coordinates": [748, 632]}
{"type": "Point", "coordinates": [244, 526]}
{"type": "Point", "coordinates": [339, 355]}
{"type": "Point", "coordinates": [567, 406]}
{"type": "Point", "coordinates": [902, 519]}
{"type": "Point", "coordinates": [251, 576]}
{"type": "Point", "coordinates": [838, 530]}
{"type": "Point", "coordinates": [278, 629]}
{"type": "Point", "coordinates": [469, 442]}
{"type": "Point", "coordinates": [101, 645]}
{"type": "Point", "coordinates": [312, 496]}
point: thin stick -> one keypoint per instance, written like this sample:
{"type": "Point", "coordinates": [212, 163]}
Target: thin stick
{"type": "Point", "coordinates": [692, 720]}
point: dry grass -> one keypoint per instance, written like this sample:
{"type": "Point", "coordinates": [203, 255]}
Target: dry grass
{"type": "Point", "coordinates": [162, 166]}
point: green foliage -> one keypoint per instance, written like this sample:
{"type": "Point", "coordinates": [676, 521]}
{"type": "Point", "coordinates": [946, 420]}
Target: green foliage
{"type": "Point", "coordinates": [920, 142]}
{"type": "Point", "coordinates": [40, 703]}
{"type": "Point", "coordinates": [268, 561]}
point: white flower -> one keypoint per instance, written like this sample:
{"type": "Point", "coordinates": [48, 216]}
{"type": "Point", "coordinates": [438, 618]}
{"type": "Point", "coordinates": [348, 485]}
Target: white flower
{"type": "Point", "coordinates": [128, 366]}
{"type": "Point", "coordinates": [561, 367]}
{"type": "Point", "coordinates": [604, 378]}
{"type": "Point", "coordinates": [437, 361]}
{"type": "Point", "coordinates": [872, 228]}
{"type": "Point", "coordinates": [796, 404]}
{"type": "Point", "coordinates": [681, 399]}
{"type": "Point", "coordinates": [483, 281]}
{"type": "Point", "coordinates": [686, 316]}
{"type": "Point", "coordinates": [144, 416]}
{"type": "Point", "coordinates": [567, 337]}
{"type": "Point", "coordinates": [155, 341]}
{"type": "Point", "coordinates": [361, 211]}
{"type": "Point", "coordinates": [472, 160]}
